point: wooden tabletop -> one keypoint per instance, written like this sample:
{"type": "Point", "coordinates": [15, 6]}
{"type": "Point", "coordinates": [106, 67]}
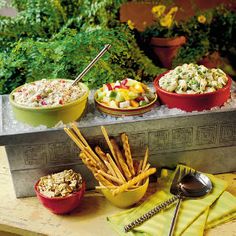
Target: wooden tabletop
{"type": "Point", "coordinates": [26, 216]}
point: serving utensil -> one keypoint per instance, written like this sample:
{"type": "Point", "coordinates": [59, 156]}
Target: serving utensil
{"type": "Point", "coordinates": [90, 65]}
{"type": "Point", "coordinates": [191, 185]}
{"type": "Point", "coordinates": [186, 185]}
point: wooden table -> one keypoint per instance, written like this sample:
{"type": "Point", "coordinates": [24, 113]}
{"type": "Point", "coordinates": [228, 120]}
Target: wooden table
{"type": "Point", "coordinates": [26, 216]}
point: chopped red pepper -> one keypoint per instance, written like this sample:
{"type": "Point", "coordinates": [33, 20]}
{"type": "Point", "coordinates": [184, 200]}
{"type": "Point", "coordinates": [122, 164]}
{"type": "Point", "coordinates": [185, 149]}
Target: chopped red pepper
{"type": "Point", "coordinates": [38, 97]}
{"type": "Point", "coordinates": [61, 102]}
{"type": "Point", "coordinates": [124, 82]}
{"type": "Point", "coordinates": [109, 86]}
{"type": "Point", "coordinates": [138, 99]}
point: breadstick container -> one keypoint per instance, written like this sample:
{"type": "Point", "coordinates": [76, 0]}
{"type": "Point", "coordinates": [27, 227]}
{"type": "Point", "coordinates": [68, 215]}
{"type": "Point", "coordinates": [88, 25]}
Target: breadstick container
{"type": "Point", "coordinates": [127, 198]}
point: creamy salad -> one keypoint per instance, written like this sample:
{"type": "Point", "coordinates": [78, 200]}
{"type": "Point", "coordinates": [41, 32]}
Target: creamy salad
{"type": "Point", "coordinates": [193, 79]}
{"type": "Point", "coordinates": [48, 93]}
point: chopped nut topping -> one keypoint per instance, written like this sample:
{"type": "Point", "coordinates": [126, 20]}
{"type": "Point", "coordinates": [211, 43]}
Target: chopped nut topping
{"type": "Point", "coordinates": [60, 184]}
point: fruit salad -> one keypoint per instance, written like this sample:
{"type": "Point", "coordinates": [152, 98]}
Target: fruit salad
{"type": "Point", "coordinates": [124, 94]}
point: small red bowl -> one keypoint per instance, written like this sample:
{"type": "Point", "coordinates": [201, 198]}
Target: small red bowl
{"type": "Point", "coordinates": [193, 102]}
{"type": "Point", "coordinates": [61, 205]}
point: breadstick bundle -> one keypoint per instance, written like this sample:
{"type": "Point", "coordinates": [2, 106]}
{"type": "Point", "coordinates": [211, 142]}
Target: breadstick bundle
{"type": "Point", "coordinates": [115, 170]}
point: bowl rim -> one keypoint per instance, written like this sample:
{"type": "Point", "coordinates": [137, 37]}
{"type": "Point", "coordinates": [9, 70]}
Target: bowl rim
{"type": "Point", "coordinates": [15, 104]}
{"type": "Point", "coordinates": [129, 190]}
{"type": "Point", "coordinates": [126, 109]}
{"type": "Point", "coordinates": [82, 189]}
{"type": "Point", "coordinates": [158, 88]}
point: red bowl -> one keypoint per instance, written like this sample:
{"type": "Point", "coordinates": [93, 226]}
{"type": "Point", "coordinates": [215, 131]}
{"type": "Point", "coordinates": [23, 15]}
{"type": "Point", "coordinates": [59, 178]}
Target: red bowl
{"type": "Point", "coordinates": [61, 205]}
{"type": "Point", "coordinates": [193, 102]}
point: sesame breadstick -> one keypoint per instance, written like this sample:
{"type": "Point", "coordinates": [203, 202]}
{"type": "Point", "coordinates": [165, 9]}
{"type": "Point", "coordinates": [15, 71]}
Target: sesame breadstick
{"type": "Point", "coordinates": [145, 159]}
{"type": "Point", "coordinates": [128, 156]}
{"type": "Point", "coordinates": [110, 177]}
{"type": "Point", "coordinates": [103, 180]}
{"type": "Point", "coordinates": [115, 168]}
{"type": "Point", "coordinates": [123, 166]}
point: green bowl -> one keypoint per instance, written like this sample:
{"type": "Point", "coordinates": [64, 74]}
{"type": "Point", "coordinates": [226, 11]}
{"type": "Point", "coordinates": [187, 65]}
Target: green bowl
{"type": "Point", "coordinates": [49, 116]}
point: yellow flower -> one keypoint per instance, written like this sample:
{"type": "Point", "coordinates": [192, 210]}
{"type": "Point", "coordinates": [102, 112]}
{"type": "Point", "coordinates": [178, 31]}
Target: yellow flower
{"type": "Point", "coordinates": [172, 11]}
{"type": "Point", "coordinates": [158, 10]}
{"type": "Point", "coordinates": [130, 24]}
{"type": "Point", "coordinates": [201, 19]}
{"type": "Point", "coordinates": [166, 21]}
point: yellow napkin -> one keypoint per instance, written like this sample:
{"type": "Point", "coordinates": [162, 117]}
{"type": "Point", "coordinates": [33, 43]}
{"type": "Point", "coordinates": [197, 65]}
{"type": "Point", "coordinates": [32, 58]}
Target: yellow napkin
{"type": "Point", "coordinates": [195, 215]}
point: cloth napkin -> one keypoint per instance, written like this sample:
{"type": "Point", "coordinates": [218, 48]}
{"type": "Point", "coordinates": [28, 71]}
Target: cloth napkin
{"type": "Point", "coordinates": [195, 215]}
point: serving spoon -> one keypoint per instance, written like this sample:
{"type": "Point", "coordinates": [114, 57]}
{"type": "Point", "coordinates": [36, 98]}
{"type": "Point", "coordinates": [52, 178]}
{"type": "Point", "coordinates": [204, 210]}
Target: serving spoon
{"type": "Point", "coordinates": [89, 66]}
{"type": "Point", "coordinates": [190, 185]}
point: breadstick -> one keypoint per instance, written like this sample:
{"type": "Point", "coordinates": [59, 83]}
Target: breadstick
{"type": "Point", "coordinates": [88, 164]}
{"type": "Point", "coordinates": [139, 167]}
{"type": "Point", "coordinates": [115, 168]}
{"type": "Point", "coordinates": [128, 156]}
{"type": "Point", "coordinates": [133, 181]}
{"type": "Point", "coordinates": [77, 131]}
{"type": "Point", "coordinates": [147, 167]}
{"type": "Point", "coordinates": [100, 153]}
{"type": "Point", "coordinates": [110, 177]}
{"type": "Point", "coordinates": [86, 146]}
{"type": "Point", "coordinates": [123, 166]}
{"type": "Point", "coordinates": [108, 141]}
{"type": "Point", "coordinates": [109, 167]}
{"type": "Point", "coordinates": [103, 180]}
{"type": "Point", "coordinates": [72, 135]}
{"type": "Point", "coordinates": [145, 159]}
{"type": "Point", "coordinates": [95, 157]}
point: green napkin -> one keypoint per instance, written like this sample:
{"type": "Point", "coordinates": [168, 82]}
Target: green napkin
{"type": "Point", "coordinates": [195, 215]}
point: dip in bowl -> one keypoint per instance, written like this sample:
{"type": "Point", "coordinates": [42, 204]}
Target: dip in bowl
{"type": "Point", "coordinates": [47, 102]}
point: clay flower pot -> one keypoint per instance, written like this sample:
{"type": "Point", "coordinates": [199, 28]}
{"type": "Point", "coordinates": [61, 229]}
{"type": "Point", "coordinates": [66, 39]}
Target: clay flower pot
{"type": "Point", "coordinates": [212, 60]}
{"type": "Point", "coordinates": [167, 48]}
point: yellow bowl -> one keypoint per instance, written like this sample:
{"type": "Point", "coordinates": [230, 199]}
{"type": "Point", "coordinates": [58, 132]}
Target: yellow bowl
{"type": "Point", "coordinates": [127, 198]}
{"type": "Point", "coordinates": [49, 116]}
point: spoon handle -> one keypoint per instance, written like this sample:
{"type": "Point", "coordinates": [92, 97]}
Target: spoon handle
{"type": "Point", "coordinates": [150, 213]}
{"type": "Point", "coordinates": [175, 217]}
{"type": "Point", "coordinates": [88, 67]}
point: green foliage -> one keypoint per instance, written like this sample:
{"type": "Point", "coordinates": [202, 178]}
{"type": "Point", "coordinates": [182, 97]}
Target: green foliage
{"type": "Point", "coordinates": [216, 33]}
{"type": "Point", "coordinates": [58, 38]}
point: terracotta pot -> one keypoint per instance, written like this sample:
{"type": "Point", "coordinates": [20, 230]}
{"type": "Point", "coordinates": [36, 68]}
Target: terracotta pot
{"type": "Point", "coordinates": [167, 48]}
{"type": "Point", "coordinates": [212, 60]}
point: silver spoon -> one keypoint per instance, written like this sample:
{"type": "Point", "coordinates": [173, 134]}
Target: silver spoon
{"type": "Point", "coordinates": [88, 67]}
{"type": "Point", "coordinates": [193, 185]}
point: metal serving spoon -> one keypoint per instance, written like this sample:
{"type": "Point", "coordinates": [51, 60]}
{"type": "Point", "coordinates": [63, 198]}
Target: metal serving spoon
{"type": "Point", "coordinates": [190, 185]}
{"type": "Point", "coordinates": [90, 65]}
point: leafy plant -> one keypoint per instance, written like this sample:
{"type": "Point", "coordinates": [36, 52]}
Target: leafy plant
{"type": "Point", "coordinates": [52, 39]}
{"type": "Point", "coordinates": [206, 32]}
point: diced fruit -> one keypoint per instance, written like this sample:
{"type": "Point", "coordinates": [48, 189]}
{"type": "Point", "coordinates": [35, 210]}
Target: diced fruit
{"type": "Point", "coordinates": [124, 104]}
{"type": "Point", "coordinates": [109, 86]}
{"type": "Point", "coordinates": [140, 98]}
{"type": "Point", "coordinates": [113, 94]}
{"type": "Point", "coordinates": [120, 97]}
{"type": "Point", "coordinates": [113, 104]}
{"type": "Point", "coordinates": [142, 103]}
{"type": "Point", "coordinates": [133, 103]}
{"type": "Point", "coordinates": [125, 94]}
